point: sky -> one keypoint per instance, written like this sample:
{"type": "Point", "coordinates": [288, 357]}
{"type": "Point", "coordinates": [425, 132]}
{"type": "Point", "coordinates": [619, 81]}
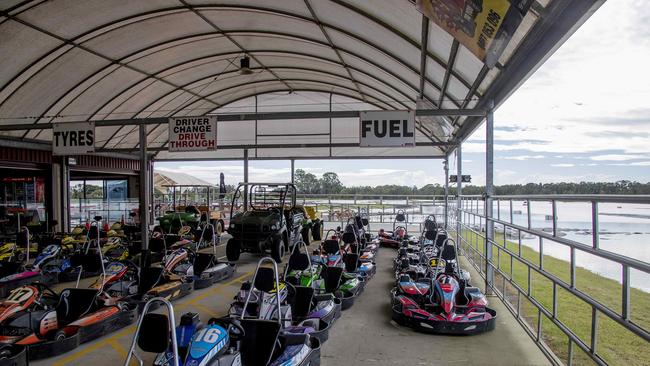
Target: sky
{"type": "Point", "coordinates": [583, 116]}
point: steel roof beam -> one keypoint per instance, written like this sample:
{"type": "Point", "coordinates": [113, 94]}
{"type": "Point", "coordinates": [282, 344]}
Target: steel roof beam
{"type": "Point", "coordinates": [424, 41]}
{"type": "Point", "coordinates": [253, 116]}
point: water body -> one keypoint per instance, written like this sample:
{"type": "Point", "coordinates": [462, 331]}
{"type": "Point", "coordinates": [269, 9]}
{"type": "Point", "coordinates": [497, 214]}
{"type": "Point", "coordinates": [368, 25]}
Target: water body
{"type": "Point", "coordinates": [623, 229]}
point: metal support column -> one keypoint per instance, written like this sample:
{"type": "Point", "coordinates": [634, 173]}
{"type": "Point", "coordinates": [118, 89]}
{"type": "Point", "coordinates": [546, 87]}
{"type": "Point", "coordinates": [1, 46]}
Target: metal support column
{"type": "Point", "coordinates": [144, 195]}
{"type": "Point", "coordinates": [489, 192]}
{"type": "Point", "coordinates": [65, 197]}
{"type": "Point", "coordinates": [151, 192]}
{"type": "Point", "coordinates": [446, 167]}
{"type": "Point", "coordinates": [459, 190]}
{"type": "Point", "coordinates": [293, 170]}
{"type": "Point", "coordinates": [245, 178]}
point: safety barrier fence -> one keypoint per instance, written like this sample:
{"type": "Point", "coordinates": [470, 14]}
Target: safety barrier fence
{"type": "Point", "coordinates": [337, 209]}
{"type": "Point", "coordinates": [532, 252]}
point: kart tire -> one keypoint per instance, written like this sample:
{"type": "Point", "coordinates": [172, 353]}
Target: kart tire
{"type": "Point", "coordinates": [277, 250]}
{"type": "Point", "coordinates": [317, 230]}
{"type": "Point", "coordinates": [59, 336]}
{"type": "Point", "coordinates": [233, 250]}
{"type": "Point", "coordinates": [218, 228]}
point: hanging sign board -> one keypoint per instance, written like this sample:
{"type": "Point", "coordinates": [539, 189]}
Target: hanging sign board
{"type": "Point", "coordinates": [193, 133]}
{"type": "Point", "coordinates": [463, 179]}
{"type": "Point", "coordinates": [387, 129]}
{"type": "Point", "coordinates": [73, 138]}
{"type": "Point", "coordinates": [483, 26]}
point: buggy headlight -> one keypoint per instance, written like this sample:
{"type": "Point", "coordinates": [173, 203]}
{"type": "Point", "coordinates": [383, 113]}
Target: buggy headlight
{"type": "Point", "coordinates": [232, 226]}
{"type": "Point", "coordinates": [274, 227]}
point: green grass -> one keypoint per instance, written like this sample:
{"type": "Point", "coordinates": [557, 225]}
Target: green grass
{"type": "Point", "coordinates": [616, 345]}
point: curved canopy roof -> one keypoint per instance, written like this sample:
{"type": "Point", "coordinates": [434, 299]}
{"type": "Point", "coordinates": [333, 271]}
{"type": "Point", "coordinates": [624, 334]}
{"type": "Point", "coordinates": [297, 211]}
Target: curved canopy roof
{"type": "Point", "coordinates": [68, 60]}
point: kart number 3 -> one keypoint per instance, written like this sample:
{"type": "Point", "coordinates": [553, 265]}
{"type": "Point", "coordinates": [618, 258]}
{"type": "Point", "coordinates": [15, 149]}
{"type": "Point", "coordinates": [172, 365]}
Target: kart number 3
{"type": "Point", "coordinates": [208, 335]}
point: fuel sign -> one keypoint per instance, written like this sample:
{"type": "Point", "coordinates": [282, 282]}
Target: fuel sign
{"type": "Point", "coordinates": [387, 129]}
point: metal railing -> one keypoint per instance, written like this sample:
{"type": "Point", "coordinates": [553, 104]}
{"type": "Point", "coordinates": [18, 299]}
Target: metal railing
{"type": "Point", "coordinates": [513, 265]}
{"type": "Point", "coordinates": [336, 209]}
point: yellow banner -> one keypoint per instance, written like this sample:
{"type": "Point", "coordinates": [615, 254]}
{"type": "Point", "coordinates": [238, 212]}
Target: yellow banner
{"type": "Point", "coordinates": [477, 24]}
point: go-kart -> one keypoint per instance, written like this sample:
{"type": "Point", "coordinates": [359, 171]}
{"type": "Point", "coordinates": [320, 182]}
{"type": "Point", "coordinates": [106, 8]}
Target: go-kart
{"type": "Point", "coordinates": [204, 268]}
{"type": "Point", "coordinates": [335, 277]}
{"type": "Point", "coordinates": [445, 302]}
{"type": "Point", "coordinates": [77, 316]}
{"type": "Point", "coordinates": [394, 238]}
{"type": "Point", "coordinates": [267, 298]}
{"type": "Point", "coordinates": [224, 341]}
{"type": "Point", "coordinates": [114, 249]}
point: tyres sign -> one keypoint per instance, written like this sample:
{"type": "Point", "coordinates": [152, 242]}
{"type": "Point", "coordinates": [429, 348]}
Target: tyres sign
{"type": "Point", "coordinates": [73, 138]}
{"type": "Point", "coordinates": [387, 129]}
{"type": "Point", "coordinates": [193, 133]}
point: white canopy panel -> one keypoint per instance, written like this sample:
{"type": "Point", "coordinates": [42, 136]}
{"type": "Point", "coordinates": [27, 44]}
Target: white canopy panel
{"type": "Point", "coordinates": [69, 60]}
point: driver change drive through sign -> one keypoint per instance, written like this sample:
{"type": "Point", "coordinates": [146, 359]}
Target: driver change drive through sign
{"type": "Point", "coordinates": [73, 138]}
{"type": "Point", "coordinates": [387, 128]}
{"type": "Point", "coordinates": [193, 133]}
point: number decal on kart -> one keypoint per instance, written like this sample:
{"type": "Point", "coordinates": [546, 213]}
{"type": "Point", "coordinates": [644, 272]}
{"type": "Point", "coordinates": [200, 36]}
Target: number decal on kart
{"type": "Point", "coordinates": [20, 294]}
{"type": "Point", "coordinates": [208, 335]}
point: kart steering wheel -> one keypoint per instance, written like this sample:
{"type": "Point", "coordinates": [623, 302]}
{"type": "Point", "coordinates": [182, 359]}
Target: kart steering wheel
{"type": "Point", "coordinates": [44, 290]}
{"type": "Point", "coordinates": [275, 209]}
{"type": "Point", "coordinates": [232, 326]}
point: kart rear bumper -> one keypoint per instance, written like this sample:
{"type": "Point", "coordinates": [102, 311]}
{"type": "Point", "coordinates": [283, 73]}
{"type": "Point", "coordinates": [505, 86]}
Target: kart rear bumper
{"type": "Point", "coordinates": [214, 276]}
{"type": "Point", "coordinates": [444, 326]}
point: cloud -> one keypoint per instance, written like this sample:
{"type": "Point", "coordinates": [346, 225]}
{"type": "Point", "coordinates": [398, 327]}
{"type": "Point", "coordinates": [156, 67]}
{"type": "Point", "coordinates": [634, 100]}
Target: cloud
{"type": "Point", "coordinates": [523, 157]}
{"type": "Point", "coordinates": [563, 165]}
{"type": "Point", "coordinates": [617, 157]}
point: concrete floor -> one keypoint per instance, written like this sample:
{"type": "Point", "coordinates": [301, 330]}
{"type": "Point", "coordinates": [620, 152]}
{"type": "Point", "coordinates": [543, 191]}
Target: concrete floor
{"type": "Point", "coordinates": [364, 335]}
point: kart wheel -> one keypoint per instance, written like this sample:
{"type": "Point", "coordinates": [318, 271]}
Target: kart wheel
{"type": "Point", "coordinates": [20, 257]}
{"type": "Point", "coordinates": [233, 250]}
{"type": "Point", "coordinates": [277, 250]}
{"type": "Point", "coordinates": [60, 335]}
{"type": "Point", "coordinates": [219, 227]}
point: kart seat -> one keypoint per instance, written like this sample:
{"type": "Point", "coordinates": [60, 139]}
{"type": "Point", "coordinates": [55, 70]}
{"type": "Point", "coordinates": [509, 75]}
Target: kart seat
{"type": "Point", "coordinates": [441, 239]}
{"type": "Point", "coordinates": [351, 262]}
{"type": "Point", "coordinates": [448, 253]}
{"type": "Point", "coordinates": [208, 233]}
{"type": "Point", "coordinates": [400, 217]}
{"type": "Point", "coordinates": [298, 261]}
{"type": "Point", "coordinates": [157, 245]}
{"type": "Point", "coordinates": [331, 246]}
{"type": "Point", "coordinates": [75, 303]}
{"type": "Point", "coordinates": [89, 262]}
{"type": "Point", "coordinates": [203, 261]}
{"type": "Point", "coordinates": [332, 278]}
{"type": "Point", "coordinates": [265, 279]}
{"type": "Point", "coordinates": [154, 333]}
{"type": "Point", "coordinates": [149, 277]}
{"type": "Point", "coordinates": [259, 341]}
{"type": "Point", "coordinates": [430, 225]}
{"type": "Point", "coordinates": [302, 301]}
{"type": "Point", "coordinates": [430, 234]}
{"type": "Point", "coordinates": [9, 268]}
{"type": "Point", "coordinates": [349, 238]}
{"type": "Point", "coordinates": [22, 238]}
{"type": "Point", "coordinates": [358, 221]}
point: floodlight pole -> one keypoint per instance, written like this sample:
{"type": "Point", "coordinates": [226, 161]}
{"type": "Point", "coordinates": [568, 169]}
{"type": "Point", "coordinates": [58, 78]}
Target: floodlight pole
{"type": "Point", "coordinates": [144, 195]}
{"type": "Point", "coordinates": [293, 169]}
{"type": "Point", "coordinates": [489, 192]}
{"type": "Point", "coordinates": [446, 167]}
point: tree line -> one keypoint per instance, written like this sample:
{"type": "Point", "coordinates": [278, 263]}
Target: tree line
{"type": "Point", "coordinates": [329, 183]}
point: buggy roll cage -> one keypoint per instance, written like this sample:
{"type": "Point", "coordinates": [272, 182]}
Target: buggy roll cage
{"type": "Point", "coordinates": [249, 192]}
